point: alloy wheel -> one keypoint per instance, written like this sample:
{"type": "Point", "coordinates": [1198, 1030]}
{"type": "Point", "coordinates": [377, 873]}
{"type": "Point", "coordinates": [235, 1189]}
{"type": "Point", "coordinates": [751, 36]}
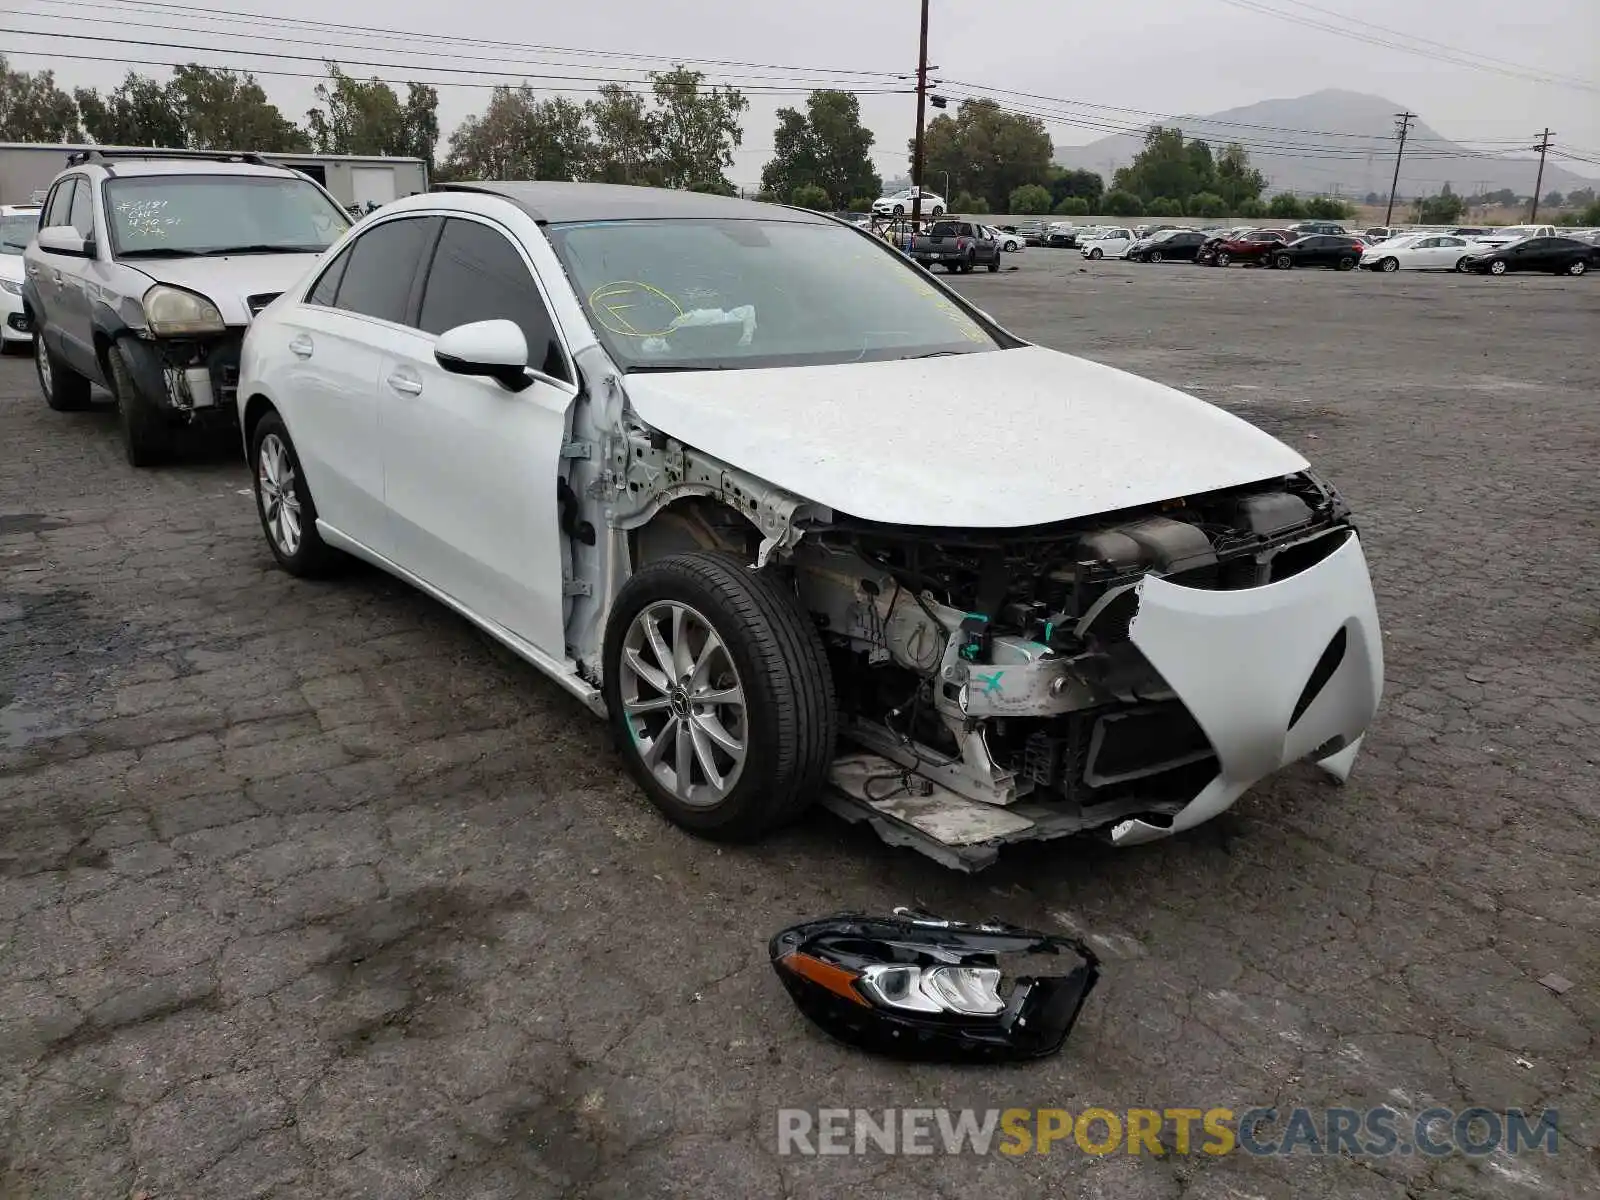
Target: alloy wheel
{"type": "Point", "coordinates": [280, 501]}
{"type": "Point", "coordinates": [683, 703]}
{"type": "Point", "coordinates": [42, 356]}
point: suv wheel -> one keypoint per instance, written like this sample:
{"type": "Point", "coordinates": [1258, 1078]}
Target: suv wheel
{"type": "Point", "coordinates": [144, 438]}
{"type": "Point", "coordinates": [283, 501]}
{"type": "Point", "coordinates": [719, 695]}
{"type": "Point", "coordinates": [64, 389]}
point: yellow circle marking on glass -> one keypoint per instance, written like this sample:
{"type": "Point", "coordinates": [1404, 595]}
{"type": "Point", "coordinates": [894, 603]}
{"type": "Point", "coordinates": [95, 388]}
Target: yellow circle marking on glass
{"type": "Point", "coordinates": [610, 301]}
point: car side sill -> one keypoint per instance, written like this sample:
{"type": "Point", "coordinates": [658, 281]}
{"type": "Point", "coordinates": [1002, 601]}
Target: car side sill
{"type": "Point", "coordinates": [564, 673]}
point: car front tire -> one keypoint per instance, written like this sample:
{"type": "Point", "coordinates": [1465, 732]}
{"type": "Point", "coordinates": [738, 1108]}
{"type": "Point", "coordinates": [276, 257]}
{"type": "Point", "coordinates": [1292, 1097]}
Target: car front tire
{"type": "Point", "coordinates": [1389, 264]}
{"type": "Point", "coordinates": [64, 389]}
{"type": "Point", "coordinates": [719, 695]}
{"type": "Point", "coordinates": [1283, 262]}
{"type": "Point", "coordinates": [283, 502]}
{"type": "Point", "coordinates": [1222, 258]}
{"type": "Point", "coordinates": [1096, 254]}
{"type": "Point", "coordinates": [144, 436]}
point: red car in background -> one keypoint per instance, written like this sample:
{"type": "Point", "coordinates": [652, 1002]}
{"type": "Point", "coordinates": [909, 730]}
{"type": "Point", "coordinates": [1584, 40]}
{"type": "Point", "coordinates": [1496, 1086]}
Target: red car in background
{"type": "Point", "coordinates": [1251, 247]}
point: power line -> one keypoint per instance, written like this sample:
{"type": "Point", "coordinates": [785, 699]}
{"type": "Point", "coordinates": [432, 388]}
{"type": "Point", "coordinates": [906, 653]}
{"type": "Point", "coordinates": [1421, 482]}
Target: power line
{"type": "Point", "coordinates": [1461, 58]}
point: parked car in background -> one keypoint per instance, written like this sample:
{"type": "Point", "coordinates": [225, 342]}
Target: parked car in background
{"type": "Point", "coordinates": [1418, 252]}
{"type": "Point", "coordinates": [1177, 245]}
{"type": "Point", "coordinates": [1033, 232]}
{"type": "Point", "coordinates": [1381, 232]}
{"type": "Point", "coordinates": [148, 267]}
{"type": "Point", "coordinates": [1557, 255]}
{"type": "Point", "coordinates": [899, 204]}
{"type": "Point", "coordinates": [1329, 227]}
{"type": "Point", "coordinates": [1339, 252]}
{"type": "Point", "coordinates": [1506, 234]}
{"type": "Point", "coordinates": [1107, 243]}
{"type": "Point", "coordinates": [744, 529]}
{"type": "Point", "coordinates": [1010, 241]}
{"type": "Point", "coordinates": [1207, 253]}
{"type": "Point", "coordinates": [1471, 231]}
{"type": "Point", "coordinates": [18, 224]}
{"type": "Point", "coordinates": [957, 246]}
{"type": "Point", "coordinates": [1248, 247]}
{"type": "Point", "coordinates": [1064, 235]}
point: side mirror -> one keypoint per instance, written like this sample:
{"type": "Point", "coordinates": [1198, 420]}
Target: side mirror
{"type": "Point", "coordinates": [495, 349]}
{"type": "Point", "coordinates": [64, 239]}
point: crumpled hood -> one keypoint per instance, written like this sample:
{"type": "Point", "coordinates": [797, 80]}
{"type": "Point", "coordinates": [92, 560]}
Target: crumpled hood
{"type": "Point", "coordinates": [227, 280]}
{"type": "Point", "coordinates": [993, 440]}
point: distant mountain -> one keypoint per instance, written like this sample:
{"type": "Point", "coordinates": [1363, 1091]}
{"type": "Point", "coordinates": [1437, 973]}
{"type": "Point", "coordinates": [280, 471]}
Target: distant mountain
{"type": "Point", "coordinates": [1341, 141]}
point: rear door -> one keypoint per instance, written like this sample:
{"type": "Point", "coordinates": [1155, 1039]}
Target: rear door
{"type": "Point", "coordinates": [45, 268]}
{"type": "Point", "coordinates": [470, 467]}
{"type": "Point", "coordinates": [74, 316]}
{"type": "Point", "coordinates": [339, 337]}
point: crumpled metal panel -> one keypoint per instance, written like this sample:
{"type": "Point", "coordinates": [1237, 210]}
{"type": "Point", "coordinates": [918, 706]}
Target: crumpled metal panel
{"type": "Point", "coordinates": [1239, 660]}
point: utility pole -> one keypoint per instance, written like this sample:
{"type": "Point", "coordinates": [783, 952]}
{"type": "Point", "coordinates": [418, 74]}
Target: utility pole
{"type": "Point", "coordinates": [1542, 148]}
{"type": "Point", "coordinates": [922, 107]}
{"type": "Point", "coordinates": [1402, 124]}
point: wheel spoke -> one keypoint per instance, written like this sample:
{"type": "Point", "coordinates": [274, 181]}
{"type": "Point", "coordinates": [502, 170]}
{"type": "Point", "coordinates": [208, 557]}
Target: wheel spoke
{"type": "Point", "coordinates": [680, 643]}
{"type": "Point", "coordinates": [657, 646]}
{"type": "Point", "coordinates": [683, 758]}
{"type": "Point", "coordinates": [713, 644]}
{"type": "Point", "coordinates": [714, 729]}
{"type": "Point", "coordinates": [709, 696]}
{"type": "Point", "coordinates": [645, 671]}
{"type": "Point", "coordinates": [703, 754]}
{"type": "Point", "coordinates": [652, 752]}
{"type": "Point", "coordinates": [653, 704]}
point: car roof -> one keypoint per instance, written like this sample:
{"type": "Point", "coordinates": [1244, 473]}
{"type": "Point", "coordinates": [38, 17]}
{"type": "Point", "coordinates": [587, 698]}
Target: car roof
{"type": "Point", "coordinates": [14, 210]}
{"type": "Point", "coordinates": [558, 203]}
{"type": "Point", "coordinates": [124, 168]}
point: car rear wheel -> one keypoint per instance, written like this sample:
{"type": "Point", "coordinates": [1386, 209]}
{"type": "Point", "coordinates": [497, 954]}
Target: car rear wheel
{"type": "Point", "coordinates": [144, 435]}
{"type": "Point", "coordinates": [1388, 264]}
{"type": "Point", "coordinates": [1498, 267]}
{"type": "Point", "coordinates": [1577, 267]}
{"type": "Point", "coordinates": [994, 264]}
{"type": "Point", "coordinates": [283, 502]}
{"type": "Point", "coordinates": [719, 695]}
{"type": "Point", "coordinates": [64, 389]}
{"type": "Point", "coordinates": [938, 212]}
{"type": "Point", "coordinates": [1346, 263]}
{"type": "Point", "coordinates": [1463, 264]}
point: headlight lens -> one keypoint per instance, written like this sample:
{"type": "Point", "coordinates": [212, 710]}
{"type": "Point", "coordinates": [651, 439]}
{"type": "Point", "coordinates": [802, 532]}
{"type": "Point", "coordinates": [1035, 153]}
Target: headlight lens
{"type": "Point", "coordinates": [971, 991]}
{"type": "Point", "coordinates": [173, 312]}
{"type": "Point", "coordinates": [14, 286]}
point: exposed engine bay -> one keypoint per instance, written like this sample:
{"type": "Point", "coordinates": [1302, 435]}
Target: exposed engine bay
{"type": "Point", "coordinates": [998, 666]}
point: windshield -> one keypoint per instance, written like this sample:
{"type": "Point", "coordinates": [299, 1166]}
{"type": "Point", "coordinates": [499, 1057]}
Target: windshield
{"type": "Point", "coordinates": [715, 293]}
{"type": "Point", "coordinates": [181, 215]}
{"type": "Point", "coordinates": [16, 231]}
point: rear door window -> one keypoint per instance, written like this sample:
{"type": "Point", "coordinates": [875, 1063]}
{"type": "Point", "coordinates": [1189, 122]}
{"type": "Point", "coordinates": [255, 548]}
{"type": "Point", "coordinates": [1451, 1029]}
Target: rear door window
{"type": "Point", "coordinates": [58, 209]}
{"type": "Point", "coordinates": [383, 266]}
{"type": "Point", "coordinates": [82, 214]}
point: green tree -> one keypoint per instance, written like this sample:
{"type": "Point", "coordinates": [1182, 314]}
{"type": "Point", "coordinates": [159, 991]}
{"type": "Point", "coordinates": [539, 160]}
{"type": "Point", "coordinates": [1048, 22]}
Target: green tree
{"type": "Point", "coordinates": [861, 205]}
{"type": "Point", "coordinates": [140, 112]}
{"type": "Point", "coordinates": [826, 145]}
{"type": "Point", "coordinates": [1085, 185]}
{"type": "Point", "coordinates": [1029, 200]}
{"type": "Point", "coordinates": [1123, 204]}
{"type": "Point", "coordinates": [229, 110]}
{"type": "Point", "coordinates": [1072, 206]}
{"type": "Point", "coordinates": [809, 195]}
{"type": "Point", "coordinates": [1591, 214]}
{"type": "Point", "coordinates": [1443, 209]}
{"type": "Point", "coordinates": [1236, 180]}
{"type": "Point", "coordinates": [34, 109]}
{"type": "Point", "coordinates": [1553, 200]}
{"type": "Point", "coordinates": [987, 151]}
{"type": "Point", "coordinates": [624, 137]}
{"type": "Point", "coordinates": [697, 128]}
{"type": "Point", "coordinates": [1580, 197]}
{"type": "Point", "coordinates": [521, 137]}
{"type": "Point", "coordinates": [1327, 208]}
{"type": "Point", "coordinates": [1166, 167]}
{"type": "Point", "coordinates": [1251, 209]}
{"type": "Point", "coordinates": [1206, 204]}
{"type": "Point", "coordinates": [1286, 206]}
{"type": "Point", "coordinates": [1204, 167]}
{"type": "Point", "coordinates": [966, 202]}
{"type": "Point", "coordinates": [1164, 206]}
{"type": "Point", "coordinates": [359, 117]}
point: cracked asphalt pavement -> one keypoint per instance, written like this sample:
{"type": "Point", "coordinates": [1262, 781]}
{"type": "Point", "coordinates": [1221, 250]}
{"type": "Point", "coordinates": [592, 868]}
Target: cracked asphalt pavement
{"type": "Point", "coordinates": [307, 890]}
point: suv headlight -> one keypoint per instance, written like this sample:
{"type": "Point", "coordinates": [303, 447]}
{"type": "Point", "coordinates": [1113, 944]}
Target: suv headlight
{"type": "Point", "coordinates": [14, 286]}
{"type": "Point", "coordinates": [173, 312]}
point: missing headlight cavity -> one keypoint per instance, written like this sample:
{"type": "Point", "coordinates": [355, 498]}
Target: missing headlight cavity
{"type": "Point", "coordinates": [1320, 674]}
{"type": "Point", "coordinates": [919, 987]}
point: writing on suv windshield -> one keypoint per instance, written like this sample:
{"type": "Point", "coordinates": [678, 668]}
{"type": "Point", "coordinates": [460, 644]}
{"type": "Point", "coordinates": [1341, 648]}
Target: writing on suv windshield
{"type": "Point", "coordinates": [683, 295]}
{"type": "Point", "coordinates": [182, 216]}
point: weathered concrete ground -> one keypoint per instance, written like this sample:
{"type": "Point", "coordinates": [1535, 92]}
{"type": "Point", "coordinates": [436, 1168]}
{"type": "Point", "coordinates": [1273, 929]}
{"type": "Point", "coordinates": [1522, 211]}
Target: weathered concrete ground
{"type": "Point", "coordinates": [306, 890]}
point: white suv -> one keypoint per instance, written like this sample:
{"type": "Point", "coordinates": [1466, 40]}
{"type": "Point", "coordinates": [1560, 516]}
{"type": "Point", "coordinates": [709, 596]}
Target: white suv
{"type": "Point", "coordinates": [18, 224]}
{"type": "Point", "coordinates": [146, 269]}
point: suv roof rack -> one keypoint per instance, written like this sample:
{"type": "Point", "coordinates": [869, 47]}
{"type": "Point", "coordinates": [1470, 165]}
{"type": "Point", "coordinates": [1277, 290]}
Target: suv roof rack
{"type": "Point", "coordinates": [97, 153]}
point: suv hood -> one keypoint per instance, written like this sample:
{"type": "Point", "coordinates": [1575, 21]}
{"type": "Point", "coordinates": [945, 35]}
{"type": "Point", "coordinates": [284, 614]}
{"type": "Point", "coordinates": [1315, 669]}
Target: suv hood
{"type": "Point", "coordinates": [1001, 439]}
{"type": "Point", "coordinates": [228, 280]}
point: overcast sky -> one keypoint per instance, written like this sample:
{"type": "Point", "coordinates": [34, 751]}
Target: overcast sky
{"type": "Point", "coordinates": [1165, 56]}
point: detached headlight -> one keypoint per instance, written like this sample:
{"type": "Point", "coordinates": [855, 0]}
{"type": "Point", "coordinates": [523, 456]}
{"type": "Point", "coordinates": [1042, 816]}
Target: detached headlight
{"type": "Point", "coordinates": [14, 286]}
{"type": "Point", "coordinates": [173, 312]}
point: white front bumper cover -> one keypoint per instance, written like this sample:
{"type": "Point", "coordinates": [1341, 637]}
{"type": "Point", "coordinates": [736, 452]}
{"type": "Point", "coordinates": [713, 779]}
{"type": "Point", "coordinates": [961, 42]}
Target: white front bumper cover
{"type": "Point", "coordinates": [1239, 660]}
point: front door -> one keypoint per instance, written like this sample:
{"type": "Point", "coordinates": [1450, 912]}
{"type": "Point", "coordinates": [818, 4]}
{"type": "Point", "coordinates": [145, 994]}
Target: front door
{"type": "Point", "coordinates": [471, 467]}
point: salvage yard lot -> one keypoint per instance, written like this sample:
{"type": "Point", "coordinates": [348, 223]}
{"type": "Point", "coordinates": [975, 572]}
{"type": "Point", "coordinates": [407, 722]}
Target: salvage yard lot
{"type": "Point", "coordinates": [308, 890]}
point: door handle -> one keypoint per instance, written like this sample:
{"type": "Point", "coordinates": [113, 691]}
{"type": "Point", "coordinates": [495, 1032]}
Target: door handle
{"type": "Point", "coordinates": [405, 382]}
{"type": "Point", "coordinates": [301, 344]}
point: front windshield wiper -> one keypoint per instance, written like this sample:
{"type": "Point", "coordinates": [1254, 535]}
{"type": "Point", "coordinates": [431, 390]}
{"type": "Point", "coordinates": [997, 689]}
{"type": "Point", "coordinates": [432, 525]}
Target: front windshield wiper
{"type": "Point", "coordinates": [262, 248]}
{"type": "Point", "coordinates": [935, 354]}
{"type": "Point", "coordinates": [160, 252]}
{"type": "Point", "coordinates": [669, 368]}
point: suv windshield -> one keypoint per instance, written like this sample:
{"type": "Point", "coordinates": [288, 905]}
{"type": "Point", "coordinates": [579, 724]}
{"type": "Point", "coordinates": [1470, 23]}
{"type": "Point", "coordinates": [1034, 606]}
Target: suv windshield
{"type": "Point", "coordinates": [709, 294]}
{"type": "Point", "coordinates": [16, 231]}
{"type": "Point", "coordinates": [181, 215]}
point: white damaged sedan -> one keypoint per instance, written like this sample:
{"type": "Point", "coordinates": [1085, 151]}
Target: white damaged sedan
{"type": "Point", "coordinates": [804, 525]}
